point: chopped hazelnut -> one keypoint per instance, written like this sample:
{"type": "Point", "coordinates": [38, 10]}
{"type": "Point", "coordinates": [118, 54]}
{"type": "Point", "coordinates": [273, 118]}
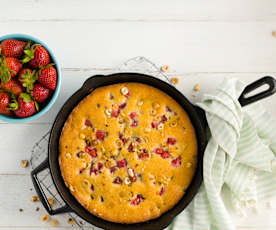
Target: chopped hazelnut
{"type": "Point", "coordinates": [68, 155]}
{"type": "Point", "coordinates": [71, 221]}
{"type": "Point", "coordinates": [274, 33]}
{"type": "Point", "coordinates": [188, 164]}
{"type": "Point", "coordinates": [54, 222]}
{"type": "Point", "coordinates": [155, 105]}
{"type": "Point", "coordinates": [196, 87]}
{"type": "Point", "coordinates": [45, 218]}
{"type": "Point", "coordinates": [147, 130]}
{"type": "Point", "coordinates": [24, 163]}
{"type": "Point", "coordinates": [34, 199]}
{"type": "Point", "coordinates": [82, 136]}
{"type": "Point", "coordinates": [165, 68]}
{"type": "Point", "coordinates": [174, 80]}
{"type": "Point", "coordinates": [124, 91]}
{"type": "Point", "coordinates": [108, 112]}
{"type": "Point", "coordinates": [140, 103]}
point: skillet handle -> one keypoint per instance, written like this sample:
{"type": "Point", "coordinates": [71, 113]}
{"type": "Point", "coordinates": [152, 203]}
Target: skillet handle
{"type": "Point", "coordinates": [270, 81]}
{"type": "Point", "coordinates": [88, 84]}
{"type": "Point", "coordinates": [42, 197]}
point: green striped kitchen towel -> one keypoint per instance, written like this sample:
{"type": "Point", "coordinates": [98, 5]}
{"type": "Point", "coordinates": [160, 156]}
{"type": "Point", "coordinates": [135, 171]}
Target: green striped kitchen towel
{"type": "Point", "coordinates": [240, 156]}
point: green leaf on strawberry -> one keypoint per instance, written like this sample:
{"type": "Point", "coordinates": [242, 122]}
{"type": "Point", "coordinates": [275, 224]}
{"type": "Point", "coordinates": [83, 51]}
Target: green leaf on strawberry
{"type": "Point", "coordinates": [36, 106]}
{"type": "Point", "coordinates": [26, 97]}
{"type": "Point", "coordinates": [28, 78]}
{"type": "Point", "coordinates": [29, 51]}
{"type": "Point", "coordinates": [13, 105]}
{"type": "Point", "coordinates": [5, 71]}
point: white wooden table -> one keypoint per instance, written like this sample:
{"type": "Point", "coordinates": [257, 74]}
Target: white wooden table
{"type": "Point", "coordinates": [201, 40]}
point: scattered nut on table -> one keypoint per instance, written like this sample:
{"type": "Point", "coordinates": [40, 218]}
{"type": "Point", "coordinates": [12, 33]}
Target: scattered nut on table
{"type": "Point", "coordinates": [54, 222]}
{"type": "Point", "coordinates": [71, 221]}
{"type": "Point", "coordinates": [274, 33]}
{"type": "Point", "coordinates": [196, 87]}
{"type": "Point", "coordinates": [24, 163]}
{"type": "Point", "coordinates": [21, 210]}
{"type": "Point", "coordinates": [165, 68]}
{"type": "Point", "coordinates": [45, 218]}
{"type": "Point", "coordinates": [174, 80]}
{"type": "Point", "coordinates": [34, 199]}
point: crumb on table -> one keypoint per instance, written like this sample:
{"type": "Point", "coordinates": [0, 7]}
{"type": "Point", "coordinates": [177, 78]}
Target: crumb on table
{"type": "Point", "coordinates": [34, 199]}
{"type": "Point", "coordinates": [196, 87]}
{"type": "Point", "coordinates": [54, 222]}
{"type": "Point", "coordinates": [165, 68]}
{"type": "Point", "coordinates": [71, 221]}
{"type": "Point", "coordinates": [274, 33]}
{"type": "Point", "coordinates": [24, 163]}
{"type": "Point", "coordinates": [45, 218]}
{"type": "Point", "coordinates": [21, 210]}
{"type": "Point", "coordinates": [174, 80]}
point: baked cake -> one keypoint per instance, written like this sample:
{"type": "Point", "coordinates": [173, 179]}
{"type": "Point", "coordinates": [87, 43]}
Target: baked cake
{"type": "Point", "coordinates": [128, 152]}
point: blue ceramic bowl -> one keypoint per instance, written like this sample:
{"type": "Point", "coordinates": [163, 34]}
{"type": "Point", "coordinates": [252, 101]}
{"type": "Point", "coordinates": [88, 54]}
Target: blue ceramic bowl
{"type": "Point", "coordinates": [51, 101]}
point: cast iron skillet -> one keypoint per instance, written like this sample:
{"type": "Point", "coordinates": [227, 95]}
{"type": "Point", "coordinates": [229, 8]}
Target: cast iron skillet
{"type": "Point", "coordinates": [197, 118]}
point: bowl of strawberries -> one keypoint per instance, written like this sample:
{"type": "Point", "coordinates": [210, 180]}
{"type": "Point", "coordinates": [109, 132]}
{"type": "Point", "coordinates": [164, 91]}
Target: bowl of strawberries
{"type": "Point", "coordinates": [30, 78]}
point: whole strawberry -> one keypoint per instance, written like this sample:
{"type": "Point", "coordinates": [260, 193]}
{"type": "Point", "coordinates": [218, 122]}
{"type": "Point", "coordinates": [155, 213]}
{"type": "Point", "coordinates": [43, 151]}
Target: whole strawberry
{"type": "Point", "coordinates": [47, 76]}
{"type": "Point", "coordinates": [40, 93]}
{"type": "Point", "coordinates": [27, 77]}
{"type": "Point", "coordinates": [4, 103]}
{"type": "Point", "coordinates": [36, 55]}
{"type": "Point", "coordinates": [9, 67]}
{"type": "Point", "coordinates": [13, 86]}
{"type": "Point", "coordinates": [12, 48]}
{"type": "Point", "coordinates": [26, 106]}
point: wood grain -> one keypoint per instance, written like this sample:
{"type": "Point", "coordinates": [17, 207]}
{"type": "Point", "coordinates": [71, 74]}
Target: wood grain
{"type": "Point", "coordinates": [202, 41]}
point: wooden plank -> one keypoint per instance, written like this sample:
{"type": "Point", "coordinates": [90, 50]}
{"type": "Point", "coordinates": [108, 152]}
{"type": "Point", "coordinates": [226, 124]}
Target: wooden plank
{"type": "Point", "coordinates": [27, 134]}
{"type": "Point", "coordinates": [15, 193]}
{"type": "Point", "coordinates": [190, 46]}
{"type": "Point", "coordinates": [139, 10]}
{"type": "Point", "coordinates": [72, 81]}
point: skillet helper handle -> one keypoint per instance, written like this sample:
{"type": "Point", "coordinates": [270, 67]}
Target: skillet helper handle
{"type": "Point", "coordinates": [42, 197]}
{"type": "Point", "coordinates": [270, 81]}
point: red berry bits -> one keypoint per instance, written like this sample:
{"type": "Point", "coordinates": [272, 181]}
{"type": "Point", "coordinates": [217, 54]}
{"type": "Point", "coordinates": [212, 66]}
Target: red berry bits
{"type": "Point", "coordinates": [132, 115]}
{"type": "Point", "coordinates": [162, 190]}
{"type": "Point", "coordinates": [154, 125]}
{"type": "Point", "coordinates": [134, 121]}
{"type": "Point", "coordinates": [100, 135]}
{"type": "Point", "coordinates": [158, 150]}
{"type": "Point", "coordinates": [92, 187]}
{"type": "Point", "coordinates": [143, 155]}
{"type": "Point", "coordinates": [163, 118]}
{"type": "Point", "coordinates": [122, 106]}
{"type": "Point", "coordinates": [171, 141]}
{"type": "Point", "coordinates": [100, 165]}
{"type": "Point", "coordinates": [91, 151]}
{"type": "Point", "coordinates": [117, 180]}
{"type": "Point", "coordinates": [176, 162]}
{"type": "Point", "coordinates": [115, 113]}
{"type": "Point", "coordinates": [112, 169]}
{"type": "Point", "coordinates": [122, 163]}
{"type": "Point", "coordinates": [130, 147]}
{"type": "Point", "coordinates": [165, 154]}
{"type": "Point", "coordinates": [139, 198]}
{"type": "Point", "coordinates": [168, 109]}
{"type": "Point", "coordinates": [88, 123]}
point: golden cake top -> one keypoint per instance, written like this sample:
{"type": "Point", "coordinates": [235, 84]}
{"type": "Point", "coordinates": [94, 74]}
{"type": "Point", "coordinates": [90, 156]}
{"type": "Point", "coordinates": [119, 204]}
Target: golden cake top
{"type": "Point", "coordinates": [128, 152]}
